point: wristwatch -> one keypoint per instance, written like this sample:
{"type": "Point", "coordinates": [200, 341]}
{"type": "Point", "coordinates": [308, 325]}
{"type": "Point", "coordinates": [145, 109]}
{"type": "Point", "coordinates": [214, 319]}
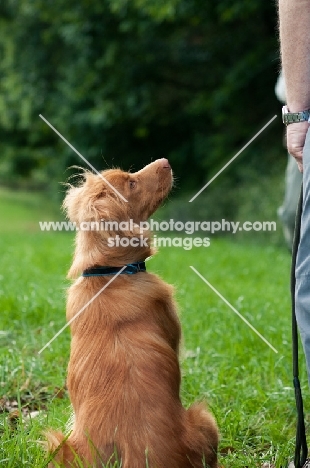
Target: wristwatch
{"type": "Point", "coordinates": [293, 117]}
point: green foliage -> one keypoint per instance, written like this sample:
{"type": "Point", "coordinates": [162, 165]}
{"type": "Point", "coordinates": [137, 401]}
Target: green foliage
{"type": "Point", "coordinates": [130, 81]}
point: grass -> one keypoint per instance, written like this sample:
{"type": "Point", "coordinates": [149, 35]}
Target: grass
{"type": "Point", "coordinates": [247, 385]}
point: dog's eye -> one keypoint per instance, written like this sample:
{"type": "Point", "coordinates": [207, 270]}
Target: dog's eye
{"type": "Point", "coordinates": [132, 184]}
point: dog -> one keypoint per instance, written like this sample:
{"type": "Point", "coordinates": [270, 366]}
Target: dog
{"type": "Point", "coordinates": [124, 374]}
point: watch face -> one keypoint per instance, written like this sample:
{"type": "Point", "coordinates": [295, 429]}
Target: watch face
{"type": "Point", "coordinates": [284, 114]}
{"type": "Point", "coordinates": [284, 110]}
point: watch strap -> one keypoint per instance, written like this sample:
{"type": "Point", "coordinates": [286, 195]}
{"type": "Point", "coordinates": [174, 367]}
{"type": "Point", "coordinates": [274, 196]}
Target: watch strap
{"type": "Point", "coordinates": [294, 117]}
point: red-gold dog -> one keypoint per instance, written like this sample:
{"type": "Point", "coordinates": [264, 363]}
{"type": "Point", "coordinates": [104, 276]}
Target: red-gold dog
{"type": "Point", "coordinates": [124, 374]}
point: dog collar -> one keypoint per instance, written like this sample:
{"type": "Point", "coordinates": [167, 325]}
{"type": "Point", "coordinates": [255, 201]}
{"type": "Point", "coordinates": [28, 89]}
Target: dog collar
{"type": "Point", "coordinates": [130, 269]}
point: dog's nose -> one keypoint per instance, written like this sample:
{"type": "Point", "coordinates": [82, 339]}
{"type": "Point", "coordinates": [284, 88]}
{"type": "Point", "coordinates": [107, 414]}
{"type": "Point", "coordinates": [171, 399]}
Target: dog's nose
{"type": "Point", "coordinates": [165, 163]}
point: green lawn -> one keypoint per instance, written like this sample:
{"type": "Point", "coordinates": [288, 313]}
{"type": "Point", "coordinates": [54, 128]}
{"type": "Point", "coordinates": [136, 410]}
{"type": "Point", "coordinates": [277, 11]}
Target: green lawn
{"type": "Point", "coordinates": [247, 385]}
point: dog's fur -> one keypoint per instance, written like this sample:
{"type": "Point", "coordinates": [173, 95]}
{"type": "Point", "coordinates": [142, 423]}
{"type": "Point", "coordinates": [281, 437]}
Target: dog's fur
{"type": "Point", "coordinates": [124, 374]}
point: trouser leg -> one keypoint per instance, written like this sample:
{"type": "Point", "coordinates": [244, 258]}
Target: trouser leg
{"type": "Point", "coordinates": [302, 295]}
{"type": "Point", "coordinates": [287, 210]}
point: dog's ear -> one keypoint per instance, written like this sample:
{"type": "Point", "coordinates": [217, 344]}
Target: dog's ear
{"type": "Point", "coordinates": [87, 202]}
{"type": "Point", "coordinates": [72, 203]}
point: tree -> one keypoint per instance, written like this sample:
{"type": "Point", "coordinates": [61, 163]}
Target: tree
{"type": "Point", "coordinates": [130, 81]}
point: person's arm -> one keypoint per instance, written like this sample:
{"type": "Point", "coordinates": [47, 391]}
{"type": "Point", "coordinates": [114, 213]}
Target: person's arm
{"type": "Point", "coordinates": [294, 21]}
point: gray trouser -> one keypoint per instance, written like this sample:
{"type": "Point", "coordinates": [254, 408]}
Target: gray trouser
{"type": "Point", "coordinates": [287, 210]}
{"type": "Point", "coordinates": [302, 296]}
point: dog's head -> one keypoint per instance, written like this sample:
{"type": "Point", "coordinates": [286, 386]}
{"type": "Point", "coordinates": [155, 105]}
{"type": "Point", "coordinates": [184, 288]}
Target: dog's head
{"type": "Point", "coordinates": [116, 196]}
{"type": "Point", "coordinates": [98, 197]}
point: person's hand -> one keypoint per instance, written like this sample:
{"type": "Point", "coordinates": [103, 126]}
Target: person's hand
{"type": "Point", "coordinates": [296, 135]}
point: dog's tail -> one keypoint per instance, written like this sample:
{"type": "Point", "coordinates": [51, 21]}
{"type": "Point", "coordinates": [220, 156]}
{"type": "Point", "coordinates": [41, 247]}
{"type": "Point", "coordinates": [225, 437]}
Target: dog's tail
{"type": "Point", "coordinates": [201, 436]}
{"type": "Point", "coordinates": [61, 451]}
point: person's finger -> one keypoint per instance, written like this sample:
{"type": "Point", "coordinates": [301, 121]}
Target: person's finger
{"type": "Point", "coordinates": [296, 135]}
{"type": "Point", "coordinates": [300, 166]}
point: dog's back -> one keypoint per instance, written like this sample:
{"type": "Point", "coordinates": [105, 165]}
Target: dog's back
{"type": "Point", "coordinates": [123, 375]}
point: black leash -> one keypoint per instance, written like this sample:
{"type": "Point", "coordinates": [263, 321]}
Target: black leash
{"type": "Point", "coordinates": [301, 449]}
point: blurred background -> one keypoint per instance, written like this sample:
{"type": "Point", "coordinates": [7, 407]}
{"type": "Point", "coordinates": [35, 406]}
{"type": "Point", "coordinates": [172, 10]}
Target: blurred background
{"type": "Point", "coordinates": [127, 82]}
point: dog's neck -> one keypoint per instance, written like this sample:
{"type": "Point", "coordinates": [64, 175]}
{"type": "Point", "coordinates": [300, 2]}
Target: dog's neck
{"type": "Point", "coordinates": [130, 269]}
{"type": "Point", "coordinates": [93, 249]}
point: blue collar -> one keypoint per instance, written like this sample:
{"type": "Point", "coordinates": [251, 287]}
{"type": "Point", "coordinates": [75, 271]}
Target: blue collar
{"type": "Point", "coordinates": [130, 269]}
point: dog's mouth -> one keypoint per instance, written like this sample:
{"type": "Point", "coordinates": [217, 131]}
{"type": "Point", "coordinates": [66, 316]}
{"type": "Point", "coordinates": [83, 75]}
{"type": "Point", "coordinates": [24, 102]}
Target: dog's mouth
{"type": "Point", "coordinates": [165, 163]}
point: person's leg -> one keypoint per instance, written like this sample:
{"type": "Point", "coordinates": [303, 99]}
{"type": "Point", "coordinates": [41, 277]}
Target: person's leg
{"type": "Point", "coordinates": [302, 297]}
